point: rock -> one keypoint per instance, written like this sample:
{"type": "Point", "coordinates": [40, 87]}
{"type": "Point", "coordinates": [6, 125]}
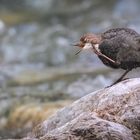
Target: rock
{"type": "Point", "coordinates": [17, 125]}
{"type": "Point", "coordinates": [32, 113]}
{"type": "Point", "coordinates": [110, 113]}
{"type": "Point", "coordinates": [88, 127]}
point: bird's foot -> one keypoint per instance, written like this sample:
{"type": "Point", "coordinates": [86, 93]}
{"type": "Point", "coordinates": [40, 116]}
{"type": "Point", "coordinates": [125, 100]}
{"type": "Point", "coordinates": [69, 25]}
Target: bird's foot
{"type": "Point", "coordinates": [120, 80]}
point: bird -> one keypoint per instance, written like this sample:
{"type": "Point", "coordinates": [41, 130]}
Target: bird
{"type": "Point", "coordinates": [118, 48]}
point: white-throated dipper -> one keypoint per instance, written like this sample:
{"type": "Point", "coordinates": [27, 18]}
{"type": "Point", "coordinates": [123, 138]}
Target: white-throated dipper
{"type": "Point", "coordinates": [116, 48]}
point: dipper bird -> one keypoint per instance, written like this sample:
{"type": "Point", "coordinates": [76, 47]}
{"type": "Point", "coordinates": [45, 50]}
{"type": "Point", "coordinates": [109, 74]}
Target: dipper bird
{"type": "Point", "coordinates": [116, 48]}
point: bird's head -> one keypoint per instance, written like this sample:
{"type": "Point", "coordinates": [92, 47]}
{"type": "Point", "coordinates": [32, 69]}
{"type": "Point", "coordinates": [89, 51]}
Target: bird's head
{"type": "Point", "coordinates": [89, 41]}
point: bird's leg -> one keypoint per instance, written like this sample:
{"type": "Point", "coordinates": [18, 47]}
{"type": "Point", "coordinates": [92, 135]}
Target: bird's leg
{"type": "Point", "coordinates": [120, 79]}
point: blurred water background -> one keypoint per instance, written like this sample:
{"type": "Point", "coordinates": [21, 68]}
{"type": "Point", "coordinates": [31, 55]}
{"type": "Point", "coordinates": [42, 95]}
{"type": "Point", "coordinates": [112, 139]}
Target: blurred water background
{"type": "Point", "coordinates": [39, 72]}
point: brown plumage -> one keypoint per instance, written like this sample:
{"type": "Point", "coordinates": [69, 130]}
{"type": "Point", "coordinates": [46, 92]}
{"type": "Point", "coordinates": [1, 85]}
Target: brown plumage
{"type": "Point", "coordinates": [116, 48]}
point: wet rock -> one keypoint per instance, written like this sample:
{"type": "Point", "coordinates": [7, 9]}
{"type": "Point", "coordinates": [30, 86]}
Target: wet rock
{"type": "Point", "coordinates": [22, 118]}
{"type": "Point", "coordinates": [108, 113]}
{"type": "Point", "coordinates": [33, 113]}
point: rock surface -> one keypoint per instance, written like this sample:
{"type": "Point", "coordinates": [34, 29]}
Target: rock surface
{"type": "Point", "coordinates": [109, 114]}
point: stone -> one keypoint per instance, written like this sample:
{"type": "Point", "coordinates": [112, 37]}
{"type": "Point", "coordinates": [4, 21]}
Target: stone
{"type": "Point", "coordinates": [109, 113]}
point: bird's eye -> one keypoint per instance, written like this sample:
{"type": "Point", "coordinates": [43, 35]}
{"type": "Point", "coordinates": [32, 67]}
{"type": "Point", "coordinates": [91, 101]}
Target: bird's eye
{"type": "Point", "coordinates": [86, 40]}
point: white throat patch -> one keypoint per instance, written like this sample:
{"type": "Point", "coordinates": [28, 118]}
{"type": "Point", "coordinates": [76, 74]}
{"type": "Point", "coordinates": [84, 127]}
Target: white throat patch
{"type": "Point", "coordinates": [87, 46]}
{"type": "Point", "coordinates": [97, 47]}
{"type": "Point", "coordinates": [90, 46]}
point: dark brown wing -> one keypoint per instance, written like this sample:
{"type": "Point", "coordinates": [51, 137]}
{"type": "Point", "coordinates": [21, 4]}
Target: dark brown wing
{"type": "Point", "coordinates": [123, 46]}
{"type": "Point", "coordinates": [129, 53]}
{"type": "Point", "coordinates": [111, 33]}
{"type": "Point", "coordinates": [110, 48]}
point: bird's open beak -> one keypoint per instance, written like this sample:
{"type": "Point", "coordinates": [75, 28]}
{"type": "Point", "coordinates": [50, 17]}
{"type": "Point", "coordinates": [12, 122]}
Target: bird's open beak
{"type": "Point", "coordinates": [80, 46]}
{"type": "Point", "coordinates": [78, 52]}
{"type": "Point", "coordinates": [77, 45]}
{"type": "Point", "coordinates": [85, 46]}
